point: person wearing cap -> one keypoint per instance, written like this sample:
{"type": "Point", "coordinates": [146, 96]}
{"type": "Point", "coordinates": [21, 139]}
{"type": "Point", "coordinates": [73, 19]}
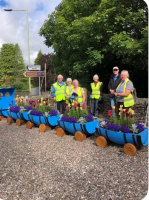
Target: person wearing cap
{"type": "Point", "coordinates": [69, 89]}
{"type": "Point", "coordinates": [113, 83]}
{"type": "Point", "coordinates": [58, 93]}
{"type": "Point", "coordinates": [124, 91]}
{"type": "Point", "coordinates": [96, 94]}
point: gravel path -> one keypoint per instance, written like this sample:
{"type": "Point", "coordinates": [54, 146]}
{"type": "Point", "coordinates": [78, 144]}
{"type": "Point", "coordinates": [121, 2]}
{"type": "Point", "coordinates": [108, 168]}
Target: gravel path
{"type": "Point", "coordinates": [43, 166]}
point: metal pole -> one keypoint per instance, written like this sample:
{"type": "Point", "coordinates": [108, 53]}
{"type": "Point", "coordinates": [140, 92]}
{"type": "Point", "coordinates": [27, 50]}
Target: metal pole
{"type": "Point", "coordinates": [28, 50]}
{"type": "Point", "coordinates": [39, 87]}
{"type": "Point", "coordinates": [45, 77]}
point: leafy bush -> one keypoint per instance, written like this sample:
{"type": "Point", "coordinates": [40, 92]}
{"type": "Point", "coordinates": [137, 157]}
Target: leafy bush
{"type": "Point", "coordinates": [17, 85]}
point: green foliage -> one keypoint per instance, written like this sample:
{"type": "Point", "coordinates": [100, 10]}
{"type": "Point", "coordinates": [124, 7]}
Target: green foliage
{"type": "Point", "coordinates": [17, 85]}
{"type": "Point", "coordinates": [90, 37]}
{"type": "Point", "coordinates": [11, 64]}
{"type": "Point", "coordinates": [76, 112]}
{"type": "Point", "coordinates": [43, 59]}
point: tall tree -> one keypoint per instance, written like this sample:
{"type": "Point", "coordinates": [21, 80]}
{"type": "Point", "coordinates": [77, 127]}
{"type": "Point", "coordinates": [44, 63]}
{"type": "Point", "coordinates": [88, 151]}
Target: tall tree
{"type": "Point", "coordinates": [11, 64]}
{"type": "Point", "coordinates": [43, 59]}
{"type": "Point", "coordinates": [92, 36]}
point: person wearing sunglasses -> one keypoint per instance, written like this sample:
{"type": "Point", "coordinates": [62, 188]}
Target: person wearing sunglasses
{"type": "Point", "coordinates": [113, 83]}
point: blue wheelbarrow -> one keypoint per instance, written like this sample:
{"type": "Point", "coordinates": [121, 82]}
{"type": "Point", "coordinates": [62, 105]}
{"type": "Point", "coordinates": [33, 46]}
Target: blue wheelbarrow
{"type": "Point", "coordinates": [80, 131]}
{"type": "Point", "coordinates": [129, 140]}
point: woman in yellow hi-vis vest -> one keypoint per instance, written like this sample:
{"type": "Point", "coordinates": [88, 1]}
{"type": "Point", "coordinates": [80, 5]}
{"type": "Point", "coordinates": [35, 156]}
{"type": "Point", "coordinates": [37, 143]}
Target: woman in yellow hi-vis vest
{"type": "Point", "coordinates": [96, 94]}
{"type": "Point", "coordinates": [58, 93]}
{"type": "Point", "coordinates": [78, 92]}
{"type": "Point", "coordinates": [124, 91]}
{"type": "Point", "coordinates": [69, 89]}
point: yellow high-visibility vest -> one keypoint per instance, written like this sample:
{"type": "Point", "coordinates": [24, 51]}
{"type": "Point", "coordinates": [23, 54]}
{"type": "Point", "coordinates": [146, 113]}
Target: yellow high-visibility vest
{"type": "Point", "coordinates": [59, 92]}
{"type": "Point", "coordinates": [80, 96]}
{"type": "Point", "coordinates": [68, 93]}
{"type": "Point", "coordinates": [96, 90]}
{"type": "Point", "coordinates": [129, 100]}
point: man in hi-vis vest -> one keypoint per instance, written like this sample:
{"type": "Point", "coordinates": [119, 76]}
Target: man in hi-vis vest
{"type": "Point", "coordinates": [96, 94]}
{"type": "Point", "coordinates": [58, 93]}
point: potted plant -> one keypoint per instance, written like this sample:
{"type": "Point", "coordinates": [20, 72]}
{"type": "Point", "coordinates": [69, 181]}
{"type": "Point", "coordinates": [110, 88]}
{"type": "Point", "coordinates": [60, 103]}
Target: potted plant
{"type": "Point", "coordinates": [122, 129]}
{"type": "Point", "coordinates": [42, 115]}
{"type": "Point", "coordinates": [77, 121]}
{"type": "Point", "coordinates": [16, 110]}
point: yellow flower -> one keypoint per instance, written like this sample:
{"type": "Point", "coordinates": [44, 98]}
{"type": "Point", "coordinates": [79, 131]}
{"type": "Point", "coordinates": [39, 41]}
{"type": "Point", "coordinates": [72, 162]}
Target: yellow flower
{"type": "Point", "coordinates": [80, 108]}
{"type": "Point", "coordinates": [48, 100]}
{"type": "Point", "coordinates": [132, 112]}
{"type": "Point", "coordinates": [44, 102]}
{"type": "Point", "coordinates": [129, 110]}
{"type": "Point", "coordinates": [119, 113]}
{"type": "Point", "coordinates": [120, 109]}
{"type": "Point", "coordinates": [69, 105]}
{"type": "Point", "coordinates": [16, 98]}
{"type": "Point", "coordinates": [121, 106]}
{"type": "Point", "coordinates": [124, 110]}
{"type": "Point", "coordinates": [113, 107]}
{"type": "Point", "coordinates": [41, 104]}
{"type": "Point", "coordinates": [72, 104]}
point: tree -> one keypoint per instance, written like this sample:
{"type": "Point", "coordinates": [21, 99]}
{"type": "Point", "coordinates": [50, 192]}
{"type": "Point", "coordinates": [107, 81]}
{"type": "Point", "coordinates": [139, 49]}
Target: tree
{"type": "Point", "coordinates": [92, 36]}
{"type": "Point", "coordinates": [43, 59]}
{"type": "Point", "coordinates": [11, 64]}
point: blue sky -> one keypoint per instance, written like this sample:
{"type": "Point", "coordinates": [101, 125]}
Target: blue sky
{"type": "Point", "coordinates": [13, 24]}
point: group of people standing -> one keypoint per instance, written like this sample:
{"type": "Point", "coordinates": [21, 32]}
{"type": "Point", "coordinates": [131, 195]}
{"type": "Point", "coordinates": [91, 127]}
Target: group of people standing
{"type": "Point", "coordinates": [120, 88]}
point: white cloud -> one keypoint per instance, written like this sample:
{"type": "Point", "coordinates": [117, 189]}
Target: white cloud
{"type": "Point", "coordinates": [13, 25]}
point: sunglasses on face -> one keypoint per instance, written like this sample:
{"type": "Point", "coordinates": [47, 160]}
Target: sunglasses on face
{"type": "Point", "coordinates": [115, 69]}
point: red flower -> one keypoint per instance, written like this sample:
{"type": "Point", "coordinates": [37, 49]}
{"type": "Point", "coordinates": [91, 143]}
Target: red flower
{"type": "Point", "coordinates": [115, 111]}
{"type": "Point", "coordinates": [46, 103]}
{"type": "Point", "coordinates": [36, 102]}
{"type": "Point", "coordinates": [127, 114]}
{"type": "Point", "coordinates": [78, 105]}
{"type": "Point", "coordinates": [109, 112]}
{"type": "Point", "coordinates": [75, 104]}
{"type": "Point", "coordinates": [19, 100]}
{"type": "Point", "coordinates": [116, 104]}
{"type": "Point", "coordinates": [111, 108]}
{"type": "Point", "coordinates": [131, 116]}
{"type": "Point", "coordinates": [64, 102]}
{"type": "Point", "coordinates": [34, 105]}
{"type": "Point", "coordinates": [67, 107]}
{"type": "Point", "coordinates": [26, 100]}
{"type": "Point", "coordinates": [47, 99]}
{"type": "Point", "coordinates": [133, 108]}
{"type": "Point", "coordinates": [83, 106]}
{"type": "Point", "coordinates": [126, 110]}
{"type": "Point", "coordinates": [39, 101]}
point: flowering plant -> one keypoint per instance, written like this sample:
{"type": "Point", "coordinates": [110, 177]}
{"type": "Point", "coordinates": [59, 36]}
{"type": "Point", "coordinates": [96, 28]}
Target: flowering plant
{"type": "Point", "coordinates": [42, 106]}
{"type": "Point", "coordinates": [125, 122]}
{"type": "Point", "coordinates": [77, 113]}
{"type": "Point", "coordinates": [35, 112]}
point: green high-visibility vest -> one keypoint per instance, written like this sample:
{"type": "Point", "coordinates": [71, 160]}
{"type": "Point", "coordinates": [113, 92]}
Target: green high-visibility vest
{"type": "Point", "coordinates": [80, 97]}
{"type": "Point", "coordinates": [59, 92]}
{"type": "Point", "coordinates": [129, 100]}
{"type": "Point", "coordinates": [68, 93]}
{"type": "Point", "coordinates": [96, 90]}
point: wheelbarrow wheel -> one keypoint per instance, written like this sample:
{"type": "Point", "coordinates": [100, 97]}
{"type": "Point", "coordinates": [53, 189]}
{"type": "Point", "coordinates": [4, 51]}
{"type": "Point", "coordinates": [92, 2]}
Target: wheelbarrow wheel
{"type": "Point", "coordinates": [79, 136]}
{"type": "Point", "coordinates": [43, 128]}
{"type": "Point", "coordinates": [101, 142]}
{"type": "Point", "coordinates": [19, 122]}
{"type": "Point", "coordinates": [9, 120]}
{"type": "Point", "coordinates": [60, 132]}
{"type": "Point", "coordinates": [130, 149]}
{"type": "Point", "coordinates": [29, 125]}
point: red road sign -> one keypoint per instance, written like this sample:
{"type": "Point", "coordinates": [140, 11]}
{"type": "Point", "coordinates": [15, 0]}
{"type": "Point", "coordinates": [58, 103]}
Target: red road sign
{"type": "Point", "coordinates": [34, 73]}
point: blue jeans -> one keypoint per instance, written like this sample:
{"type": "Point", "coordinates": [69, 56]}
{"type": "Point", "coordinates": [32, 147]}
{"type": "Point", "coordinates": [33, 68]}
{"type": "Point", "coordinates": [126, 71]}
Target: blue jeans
{"type": "Point", "coordinates": [112, 104]}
